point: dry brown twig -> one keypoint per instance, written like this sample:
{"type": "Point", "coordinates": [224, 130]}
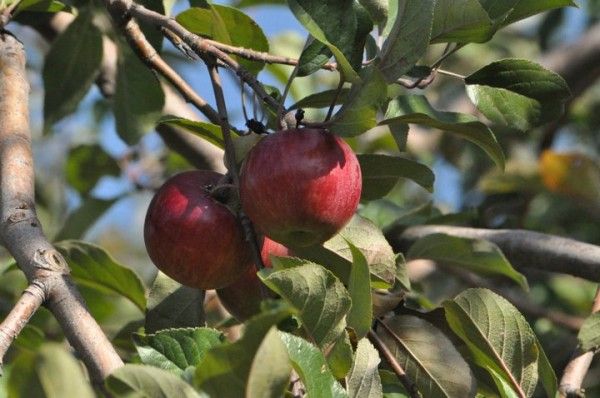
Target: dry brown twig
{"type": "Point", "coordinates": [22, 235]}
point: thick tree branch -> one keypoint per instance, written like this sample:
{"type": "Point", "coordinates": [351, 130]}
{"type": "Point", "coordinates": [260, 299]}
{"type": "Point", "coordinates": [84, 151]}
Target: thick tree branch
{"type": "Point", "coordinates": [20, 229]}
{"type": "Point", "coordinates": [578, 366]}
{"type": "Point", "coordinates": [524, 249]}
{"type": "Point", "coordinates": [195, 150]}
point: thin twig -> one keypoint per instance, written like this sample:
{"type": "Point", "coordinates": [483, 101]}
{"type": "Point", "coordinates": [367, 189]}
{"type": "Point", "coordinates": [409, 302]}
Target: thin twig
{"type": "Point", "coordinates": [578, 366]}
{"type": "Point", "coordinates": [142, 47]}
{"type": "Point", "coordinates": [450, 73]}
{"type": "Point", "coordinates": [201, 46]}
{"type": "Point", "coordinates": [230, 157]}
{"type": "Point", "coordinates": [408, 384]}
{"type": "Point", "coordinates": [31, 299]}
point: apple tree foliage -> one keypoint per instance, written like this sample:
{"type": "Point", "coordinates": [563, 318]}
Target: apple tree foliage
{"type": "Point", "coordinates": [342, 301]}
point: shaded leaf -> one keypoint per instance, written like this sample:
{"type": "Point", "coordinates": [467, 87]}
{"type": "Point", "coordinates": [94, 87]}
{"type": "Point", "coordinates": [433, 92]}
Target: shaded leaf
{"type": "Point", "coordinates": [526, 8]}
{"type": "Point", "coordinates": [322, 99]}
{"type": "Point", "coordinates": [225, 370]}
{"type": "Point", "coordinates": [147, 381]}
{"type": "Point", "coordinates": [391, 385]}
{"type": "Point", "coordinates": [176, 349]}
{"type": "Point", "coordinates": [341, 357]}
{"type": "Point", "coordinates": [475, 255]}
{"type": "Point", "coordinates": [83, 217]}
{"type": "Point", "coordinates": [210, 132]}
{"type": "Point", "coordinates": [93, 267]}
{"type": "Point", "coordinates": [138, 99]}
{"type": "Point", "coordinates": [498, 337]}
{"type": "Point", "coordinates": [589, 334]}
{"type": "Point", "coordinates": [171, 305]}
{"type": "Point", "coordinates": [360, 316]}
{"type": "Point", "coordinates": [359, 112]}
{"type": "Point", "coordinates": [308, 361]}
{"type": "Point", "coordinates": [321, 19]}
{"type": "Point", "coordinates": [320, 298]}
{"type": "Point", "coordinates": [271, 368]}
{"type": "Point", "coordinates": [313, 57]}
{"type": "Point", "coordinates": [416, 109]}
{"type": "Point", "coordinates": [460, 21]}
{"type": "Point", "coordinates": [364, 380]}
{"type": "Point", "coordinates": [229, 26]}
{"type": "Point", "coordinates": [426, 354]}
{"type": "Point", "coordinates": [408, 38]}
{"type": "Point", "coordinates": [60, 374]}
{"type": "Point", "coordinates": [70, 67]}
{"type": "Point", "coordinates": [86, 164]}
{"type": "Point", "coordinates": [518, 93]}
{"type": "Point", "coordinates": [380, 173]}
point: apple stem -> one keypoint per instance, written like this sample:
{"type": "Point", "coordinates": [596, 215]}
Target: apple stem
{"type": "Point", "coordinates": [230, 155]}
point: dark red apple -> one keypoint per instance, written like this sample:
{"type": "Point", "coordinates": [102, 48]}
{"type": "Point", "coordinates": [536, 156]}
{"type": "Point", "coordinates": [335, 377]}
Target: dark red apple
{"type": "Point", "coordinates": [242, 298]}
{"type": "Point", "coordinates": [192, 237]}
{"type": "Point", "coordinates": [300, 186]}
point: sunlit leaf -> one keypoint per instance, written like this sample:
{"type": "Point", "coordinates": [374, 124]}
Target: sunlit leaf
{"type": "Point", "coordinates": [93, 267]}
{"type": "Point", "coordinates": [360, 316]}
{"type": "Point", "coordinates": [363, 379]}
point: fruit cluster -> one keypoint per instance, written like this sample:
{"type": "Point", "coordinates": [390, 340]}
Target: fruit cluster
{"type": "Point", "coordinates": [299, 187]}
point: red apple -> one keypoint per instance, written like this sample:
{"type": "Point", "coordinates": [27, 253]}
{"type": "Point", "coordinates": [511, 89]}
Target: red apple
{"type": "Point", "coordinates": [242, 298]}
{"type": "Point", "coordinates": [300, 186]}
{"type": "Point", "coordinates": [192, 237]}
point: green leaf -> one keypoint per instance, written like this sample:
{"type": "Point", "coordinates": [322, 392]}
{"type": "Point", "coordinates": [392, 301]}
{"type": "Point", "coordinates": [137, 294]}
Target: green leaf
{"type": "Point", "coordinates": [475, 255]}
{"type": "Point", "coordinates": [518, 93]}
{"type": "Point", "coordinates": [93, 267]}
{"type": "Point", "coordinates": [341, 356]}
{"type": "Point", "coordinates": [313, 57]}
{"type": "Point", "coordinates": [271, 368]}
{"type": "Point", "coordinates": [83, 217]}
{"type": "Point", "coordinates": [460, 21]}
{"type": "Point", "coordinates": [138, 100]}
{"type": "Point", "coordinates": [526, 8]}
{"type": "Point", "coordinates": [171, 305]}
{"type": "Point", "coordinates": [321, 19]}
{"type": "Point", "coordinates": [210, 132]}
{"type": "Point", "coordinates": [439, 372]}
{"type": "Point", "coordinates": [391, 385]}
{"type": "Point", "coordinates": [416, 109]}
{"type": "Point", "coordinates": [226, 369]}
{"type": "Point", "coordinates": [30, 338]}
{"type": "Point", "coordinates": [308, 361]}
{"type": "Point", "coordinates": [498, 10]}
{"type": "Point", "coordinates": [320, 298]}
{"type": "Point", "coordinates": [322, 99]}
{"type": "Point", "coordinates": [498, 337]}
{"type": "Point", "coordinates": [176, 349]}
{"type": "Point", "coordinates": [359, 112]}
{"type": "Point", "coordinates": [364, 380]}
{"type": "Point", "coordinates": [147, 381]}
{"type": "Point", "coordinates": [589, 334]}
{"type": "Point", "coordinates": [60, 374]}
{"type": "Point", "coordinates": [229, 26]}
{"type": "Point", "coordinates": [86, 164]}
{"type": "Point", "coordinates": [50, 6]}
{"type": "Point", "coordinates": [377, 9]}
{"type": "Point", "coordinates": [380, 174]}
{"type": "Point", "coordinates": [408, 39]}
{"type": "Point", "coordinates": [359, 287]}
{"type": "Point", "coordinates": [71, 67]}
{"type": "Point", "coordinates": [546, 372]}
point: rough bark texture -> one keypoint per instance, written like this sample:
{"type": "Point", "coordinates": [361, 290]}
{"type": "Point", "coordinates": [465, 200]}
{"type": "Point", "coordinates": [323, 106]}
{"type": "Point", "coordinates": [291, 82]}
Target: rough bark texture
{"type": "Point", "coordinates": [20, 229]}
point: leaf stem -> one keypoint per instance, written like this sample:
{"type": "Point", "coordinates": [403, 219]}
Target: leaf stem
{"type": "Point", "coordinates": [408, 384]}
{"type": "Point", "coordinates": [335, 97]}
